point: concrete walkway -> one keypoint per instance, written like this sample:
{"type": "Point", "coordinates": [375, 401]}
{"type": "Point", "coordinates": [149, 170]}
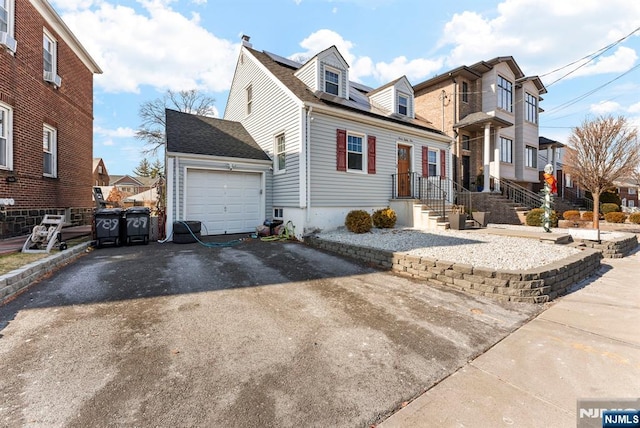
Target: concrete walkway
{"type": "Point", "coordinates": [585, 346]}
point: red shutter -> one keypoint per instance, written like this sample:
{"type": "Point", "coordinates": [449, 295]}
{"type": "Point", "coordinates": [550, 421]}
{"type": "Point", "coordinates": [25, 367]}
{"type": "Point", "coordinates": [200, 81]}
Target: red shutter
{"type": "Point", "coordinates": [425, 161]}
{"type": "Point", "coordinates": [371, 154]}
{"type": "Point", "coordinates": [341, 150]}
{"type": "Point", "coordinates": [443, 164]}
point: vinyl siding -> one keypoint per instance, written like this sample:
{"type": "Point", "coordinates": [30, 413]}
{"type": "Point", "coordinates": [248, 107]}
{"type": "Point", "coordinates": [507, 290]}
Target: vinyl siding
{"type": "Point", "coordinates": [385, 99]}
{"type": "Point", "coordinates": [274, 112]}
{"type": "Point", "coordinates": [332, 188]}
{"type": "Point", "coordinates": [179, 183]}
{"type": "Point", "coordinates": [309, 75]}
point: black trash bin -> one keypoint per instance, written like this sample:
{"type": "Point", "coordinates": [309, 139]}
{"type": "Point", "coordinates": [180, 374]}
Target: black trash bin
{"type": "Point", "coordinates": [137, 222]}
{"type": "Point", "coordinates": [107, 224]}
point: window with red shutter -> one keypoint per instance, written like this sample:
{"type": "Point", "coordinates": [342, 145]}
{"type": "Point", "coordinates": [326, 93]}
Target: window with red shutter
{"type": "Point", "coordinates": [443, 164]}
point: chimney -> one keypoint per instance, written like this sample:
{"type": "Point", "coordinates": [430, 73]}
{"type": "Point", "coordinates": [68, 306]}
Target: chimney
{"type": "Point", "coordinates": [245, 41]}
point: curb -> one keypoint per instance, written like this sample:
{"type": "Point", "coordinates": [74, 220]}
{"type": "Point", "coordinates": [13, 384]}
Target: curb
{"type": "Point", "coordinates": [17, 281]}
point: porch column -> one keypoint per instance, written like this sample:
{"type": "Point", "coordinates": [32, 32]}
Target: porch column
{"type": "Point", "coordinates": [496, 161]}
{"type": "Point", "coordinates": [486, 157]}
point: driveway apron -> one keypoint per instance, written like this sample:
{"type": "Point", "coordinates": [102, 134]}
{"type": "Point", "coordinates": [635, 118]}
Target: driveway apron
{"type": "Point", "coordinates": [255, 334]}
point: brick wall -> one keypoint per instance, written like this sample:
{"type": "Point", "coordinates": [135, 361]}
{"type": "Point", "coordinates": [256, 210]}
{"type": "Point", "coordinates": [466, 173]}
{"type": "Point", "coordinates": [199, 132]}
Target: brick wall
{"type": "Point", "coordinates": [534, 285]}
{"type": "Point", "coordinates": [35, 102]}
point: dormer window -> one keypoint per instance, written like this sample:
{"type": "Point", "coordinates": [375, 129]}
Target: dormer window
{"type": "Point", "coordinates": [403, 104]}
{"type": "Point", "coordinates": [332, 81]}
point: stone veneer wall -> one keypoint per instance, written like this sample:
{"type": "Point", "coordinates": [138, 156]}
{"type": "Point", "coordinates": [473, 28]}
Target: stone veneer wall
{"type": "Point", "coordinates": [19, 222]}
{"type": "Point", "coordinates": [537, 285]}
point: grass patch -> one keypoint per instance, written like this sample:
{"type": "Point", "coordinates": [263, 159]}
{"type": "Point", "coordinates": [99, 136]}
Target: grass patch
{"type": "Point", "coordinates": [10, 262]}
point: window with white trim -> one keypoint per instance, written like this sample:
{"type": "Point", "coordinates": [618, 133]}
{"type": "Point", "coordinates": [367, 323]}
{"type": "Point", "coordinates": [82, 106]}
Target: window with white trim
{"type": "Point", "coordinates": [355, 152]}
{"type": "Point", "coordinates": [505, 94]}
{"type": "Point", "coordinates": [506, 150]}
{"type": "Point", "coordinates": [278, 213]}
{"type": "Point", "coordinates": [6, 145]}
{"type": "Point", "coordinates": [49, 149]}
{"type": "Point", "coordinates": [530, 157]}
{"type": "Point", "coordinates": [531, 108]}
{"type": "Point", "coordinates": [280, 151]}
{"type": "Point", "coordinates": [331, 81]}
{"type": "Point", "coordinates": [433, 163]}
{"type": "Point", "coordinates": [7, 25]}
{"type": "Point", "coordinates": [403, 104]}
{"type": "Point", "coordinates": [249, 98]}
{"type": "Point", "coordinates": [632, 190]}
{"type": "Point", "coordinates": [49, 51]}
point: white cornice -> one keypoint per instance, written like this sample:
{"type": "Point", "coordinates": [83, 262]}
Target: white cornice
{"type": "Point", "coordinates": [57, 24]}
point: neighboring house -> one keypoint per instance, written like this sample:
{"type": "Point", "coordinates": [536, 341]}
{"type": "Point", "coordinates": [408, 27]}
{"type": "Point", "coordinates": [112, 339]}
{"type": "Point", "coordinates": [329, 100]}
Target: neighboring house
{"type": "Point", "coordinates": [490, 111]}
{"type": "Point", "coordinates": [628, 191]}
{"type": "Point", "coordinates": [100, 173]}
{"type": "Point", "coordinates": [46, 118]}
{"type": "Point", "coordinates": [333, 146]}
{"type": "Point", "coordinates": [132, 185]}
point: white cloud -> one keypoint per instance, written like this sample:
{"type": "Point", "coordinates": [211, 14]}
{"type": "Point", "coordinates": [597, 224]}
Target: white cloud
{"type": "Point", "coordinates": [634, 108]}
{"type": "Point", "coordinates": [604, 107]}
{"type": "Point", "coordinates": [120, 132]}
{"type": "Point", "coordinates": [543, 34]}
{"type": "Point", "coordinates": [134, 48]}
{"type": "Point", "coordinates": [620, 61]}
{"type": "Point", "coordinates": [364, 67]}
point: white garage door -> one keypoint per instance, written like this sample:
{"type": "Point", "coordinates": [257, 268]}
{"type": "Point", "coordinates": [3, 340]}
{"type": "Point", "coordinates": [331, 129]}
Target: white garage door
{"type": "Point", "coordinates": [224, 201]}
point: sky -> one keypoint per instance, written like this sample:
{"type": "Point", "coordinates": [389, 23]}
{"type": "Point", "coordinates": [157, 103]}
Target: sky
{"type": "Point", "coordinates": [585, 51]}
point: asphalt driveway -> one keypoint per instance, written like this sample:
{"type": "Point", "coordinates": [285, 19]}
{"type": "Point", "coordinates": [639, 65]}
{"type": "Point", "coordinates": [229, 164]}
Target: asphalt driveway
{"type": "Point", "coordinates": [257, 334]}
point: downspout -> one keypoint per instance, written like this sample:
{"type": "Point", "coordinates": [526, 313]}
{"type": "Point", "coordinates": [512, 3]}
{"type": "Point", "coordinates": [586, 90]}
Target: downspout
{"type": "Point", "coordinates": [308, 162]}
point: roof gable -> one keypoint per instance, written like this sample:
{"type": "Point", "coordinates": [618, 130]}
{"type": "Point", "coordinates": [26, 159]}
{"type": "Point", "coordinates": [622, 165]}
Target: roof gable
{"type": "Point", "coordinates": [194, 134]}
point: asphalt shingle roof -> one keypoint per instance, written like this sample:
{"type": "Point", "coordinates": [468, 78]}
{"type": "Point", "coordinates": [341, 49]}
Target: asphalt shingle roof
{"type": "Point", "coordinates": [190, 133]}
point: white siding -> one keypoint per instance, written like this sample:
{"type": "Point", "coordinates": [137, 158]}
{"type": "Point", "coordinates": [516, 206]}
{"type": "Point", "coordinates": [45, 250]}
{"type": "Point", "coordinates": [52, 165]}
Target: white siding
{"type": "Point", "coordinates": [332, 188]}
{"type": "Point", "coordinates": [274, 112]}
{"type": "Point", "coordinates": [178, 164]}
{"type": "Point", "coordinates": [309, 74]}
{"type": "Point", "coordinates": [385, 99]}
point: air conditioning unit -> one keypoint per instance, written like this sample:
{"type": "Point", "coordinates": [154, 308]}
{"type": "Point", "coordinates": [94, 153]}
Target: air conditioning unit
{"type": "Point", "coordinates": [51, 77]}
{"type": "Point", "coordinates": [8, 41]}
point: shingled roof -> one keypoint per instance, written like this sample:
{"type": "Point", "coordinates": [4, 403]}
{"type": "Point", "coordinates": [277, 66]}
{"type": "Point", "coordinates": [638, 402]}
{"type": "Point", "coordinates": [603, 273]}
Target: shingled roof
{"type": "Point", "coordinates": [190, 133]}
{"type": "Point", "coordinates": [283, 69]}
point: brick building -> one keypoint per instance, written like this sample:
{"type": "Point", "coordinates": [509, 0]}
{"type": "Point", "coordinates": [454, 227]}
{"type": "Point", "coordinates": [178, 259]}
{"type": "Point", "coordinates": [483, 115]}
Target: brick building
{"type": "Point", "coordinates": [490, 110]}
{"type": "Point", "coordinates": [46, 118]}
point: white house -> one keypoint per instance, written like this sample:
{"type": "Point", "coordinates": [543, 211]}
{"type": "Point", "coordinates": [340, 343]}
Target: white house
{"type": "Point", "coordinates": [329, 146]}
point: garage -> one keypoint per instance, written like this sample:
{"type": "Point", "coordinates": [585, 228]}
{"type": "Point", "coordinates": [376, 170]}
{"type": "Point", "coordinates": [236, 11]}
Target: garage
{"type": "Point", "coordinates": [224, 201]}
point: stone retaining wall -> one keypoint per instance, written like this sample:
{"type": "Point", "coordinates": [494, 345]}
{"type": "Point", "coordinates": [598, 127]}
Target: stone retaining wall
{"type": "Point", "coordinates": [12, 283]}
{"type": "Point", "coordinates": [534, 285]}
{"type": "Point", "coordinates": [615, 248]}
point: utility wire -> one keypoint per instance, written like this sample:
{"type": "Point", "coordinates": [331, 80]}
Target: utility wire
{"type": "Point", "coordinates": [591, 57]}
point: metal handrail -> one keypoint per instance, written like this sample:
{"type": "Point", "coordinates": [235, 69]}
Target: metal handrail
{"type": "Point", "coordinates": [436, 193]}
{"type": "Point", "coordinates": [518, 194]}
{"type": "Point", "coordinates": [573, 195]}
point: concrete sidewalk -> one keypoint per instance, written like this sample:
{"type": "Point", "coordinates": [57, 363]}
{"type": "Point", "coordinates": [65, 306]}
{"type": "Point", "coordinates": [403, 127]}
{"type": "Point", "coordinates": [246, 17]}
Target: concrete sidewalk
{"type": "Point", "coordinates": [585, 346]}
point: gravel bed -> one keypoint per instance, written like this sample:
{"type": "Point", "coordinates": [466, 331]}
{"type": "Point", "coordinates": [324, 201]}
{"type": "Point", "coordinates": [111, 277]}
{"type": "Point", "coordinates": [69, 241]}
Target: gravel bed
{"type": "Point", "coordinates": [477, 249]}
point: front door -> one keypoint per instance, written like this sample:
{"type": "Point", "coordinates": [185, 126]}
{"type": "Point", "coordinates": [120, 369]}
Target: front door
{"type": "Point", "coordinates": [404, 171]}
{"type": "Point", "coordinates": [466, 176]}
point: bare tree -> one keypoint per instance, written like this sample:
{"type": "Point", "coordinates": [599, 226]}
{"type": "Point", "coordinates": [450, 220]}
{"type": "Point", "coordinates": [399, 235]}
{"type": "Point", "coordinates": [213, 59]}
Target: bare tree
{"type": "Point", "coordinates": [152, 114]}
{"type": "Point", "coordinates": [602, 151]}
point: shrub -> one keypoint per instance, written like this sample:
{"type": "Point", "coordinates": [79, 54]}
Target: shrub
{"type": "Point", "coordinates": [606, 198]}
{"type": "Point", "coordinates": [358, 221]}
{"type": "Point", "coordinates": [535, 217]}
{"type": "Point", "coordinates": [587, 215]}
{"type": "Point", "coordinates": [571, 215]}
{"type": "Point", "coordinates": [384, 218]}
{"type": "Point", "coordinates": [609, 208]}
{"type": "Point", "coordinates": [634, 218]}
{"type": "Point", "coordinates": [615, 217]}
